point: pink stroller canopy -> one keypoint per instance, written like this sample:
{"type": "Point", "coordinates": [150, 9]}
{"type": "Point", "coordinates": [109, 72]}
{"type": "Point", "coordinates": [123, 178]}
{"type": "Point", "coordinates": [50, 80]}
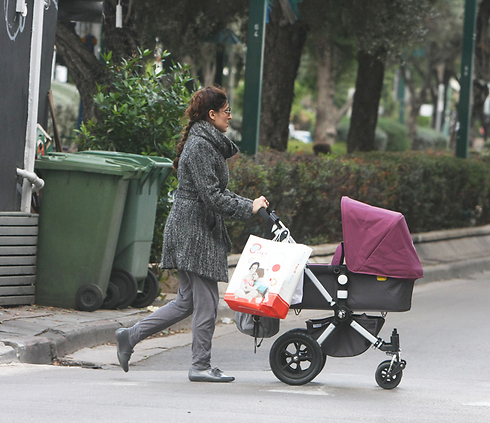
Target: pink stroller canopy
{"type": "Point", "coordinates": [377, 242]}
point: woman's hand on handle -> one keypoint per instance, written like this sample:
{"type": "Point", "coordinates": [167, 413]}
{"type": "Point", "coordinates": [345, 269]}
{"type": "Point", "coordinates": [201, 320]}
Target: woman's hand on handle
{"type": "Point", "coordinates": [259, 203]}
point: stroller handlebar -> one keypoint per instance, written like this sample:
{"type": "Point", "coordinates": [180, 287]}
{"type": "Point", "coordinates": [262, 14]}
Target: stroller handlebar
{"type": "Point", "coordinates": [267, 213]}
{"type": "Point", "coordinates": [264, 214]}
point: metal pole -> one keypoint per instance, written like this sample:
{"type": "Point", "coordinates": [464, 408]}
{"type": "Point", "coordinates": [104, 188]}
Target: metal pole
{"type": "Point", "coordinates": [33, 100]}
{"type": "Point", "coordinates": [253, 76]}
{"type": "Point", "coordinates": [464, 107]}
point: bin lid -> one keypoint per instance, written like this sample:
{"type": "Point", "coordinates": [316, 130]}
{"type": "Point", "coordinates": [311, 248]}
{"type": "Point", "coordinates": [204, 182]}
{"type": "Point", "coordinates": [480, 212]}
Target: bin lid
{"type": "Point", "coordinates": [89, 163]}
{"type": "Point", "coordinates": [154, 162]}
{"type": "Point", "coordinates": [152, 166]}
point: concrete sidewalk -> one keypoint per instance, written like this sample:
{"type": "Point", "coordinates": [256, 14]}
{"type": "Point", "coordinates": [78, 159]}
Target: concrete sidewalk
{"type": "Point", "coordinates": [36, 334]}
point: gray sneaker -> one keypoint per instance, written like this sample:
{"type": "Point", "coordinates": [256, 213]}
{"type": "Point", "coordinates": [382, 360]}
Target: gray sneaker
{"type": "Point", "coordinates": [210, 375]}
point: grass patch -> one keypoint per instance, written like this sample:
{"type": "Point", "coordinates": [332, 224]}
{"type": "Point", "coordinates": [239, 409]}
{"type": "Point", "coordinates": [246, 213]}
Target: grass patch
{"type": "Point", "coordinates": [295, 146]}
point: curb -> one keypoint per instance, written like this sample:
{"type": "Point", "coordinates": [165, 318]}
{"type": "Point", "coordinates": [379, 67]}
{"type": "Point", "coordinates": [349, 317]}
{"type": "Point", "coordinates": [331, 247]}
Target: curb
{"type": "Point", "coordinates": [454, 270]}
{"type": "Point", "coordinates": [7, 354]}
{"type": "Point", "coordinates": [57, 342]}
{"type": "Point", "coordinates": [65, 339]}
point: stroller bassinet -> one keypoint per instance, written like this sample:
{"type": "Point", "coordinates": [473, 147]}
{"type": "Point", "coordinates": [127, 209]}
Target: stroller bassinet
{"type": "Point", "coordinates": [380, 268]}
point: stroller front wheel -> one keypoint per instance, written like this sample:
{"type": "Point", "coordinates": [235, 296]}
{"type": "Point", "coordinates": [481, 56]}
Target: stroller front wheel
{"type": "Point", "coordinates": [296, 358]}
{"type": "Point", "coordinates": [386, 378]}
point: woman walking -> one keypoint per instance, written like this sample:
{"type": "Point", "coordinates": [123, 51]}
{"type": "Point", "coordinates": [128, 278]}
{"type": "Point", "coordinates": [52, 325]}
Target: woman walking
{"type": "Point", "coordinates": [196, 242]}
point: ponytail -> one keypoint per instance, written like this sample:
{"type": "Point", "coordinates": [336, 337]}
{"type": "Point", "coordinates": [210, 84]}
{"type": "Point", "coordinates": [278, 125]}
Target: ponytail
{"type": "Point", "coordinates": [180, 145]}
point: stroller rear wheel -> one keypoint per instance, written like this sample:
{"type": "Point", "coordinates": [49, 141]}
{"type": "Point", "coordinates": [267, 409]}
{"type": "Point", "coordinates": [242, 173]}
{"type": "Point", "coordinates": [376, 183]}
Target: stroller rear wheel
{"type": "Point", "coordinates": [386, 378]}
{"type": "Point", "coordinates": [296, 358]}
{"type": "Point", "coordinates": [305, 331]}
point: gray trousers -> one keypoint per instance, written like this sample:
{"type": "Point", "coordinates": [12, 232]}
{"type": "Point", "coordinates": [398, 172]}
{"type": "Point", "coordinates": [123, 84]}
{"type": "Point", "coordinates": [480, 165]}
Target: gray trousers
{"type": "Point", "coordinates": [196, 295]}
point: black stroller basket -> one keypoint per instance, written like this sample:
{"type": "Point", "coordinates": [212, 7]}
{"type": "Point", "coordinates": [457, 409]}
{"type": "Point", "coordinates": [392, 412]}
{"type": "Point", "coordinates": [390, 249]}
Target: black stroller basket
{"type": "Point", "coordinates": [299, 355]}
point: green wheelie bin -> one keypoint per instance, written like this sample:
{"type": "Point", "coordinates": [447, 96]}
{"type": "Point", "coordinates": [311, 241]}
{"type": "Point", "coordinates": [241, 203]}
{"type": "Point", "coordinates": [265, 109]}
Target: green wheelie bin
{"type": "Point", "coordinates": [132, 282]}
{"type": "Point", "coordinates": [81, 208]}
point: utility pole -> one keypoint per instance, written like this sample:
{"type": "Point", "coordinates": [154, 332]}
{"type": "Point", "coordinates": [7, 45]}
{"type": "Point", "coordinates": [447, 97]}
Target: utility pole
{"type": "Point", "coordinates": [465, 94]}
{"type": "Point", "coordinates": [253, 76]}
{"type": "Point", "coordinates": [33, 100]}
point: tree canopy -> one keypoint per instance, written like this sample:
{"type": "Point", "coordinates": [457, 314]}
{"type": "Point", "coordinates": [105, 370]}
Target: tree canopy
{"type": "Point", "coordinates": [332, 46]}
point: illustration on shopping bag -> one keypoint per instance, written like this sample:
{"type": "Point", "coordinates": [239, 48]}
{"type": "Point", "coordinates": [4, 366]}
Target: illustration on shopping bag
{"type": "Point", "coordinates": [253, 285]}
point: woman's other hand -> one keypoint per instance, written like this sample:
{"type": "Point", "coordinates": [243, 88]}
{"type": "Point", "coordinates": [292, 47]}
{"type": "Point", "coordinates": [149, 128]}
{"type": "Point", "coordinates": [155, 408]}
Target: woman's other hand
{"type": "Point", "coordinates": [259, 203]}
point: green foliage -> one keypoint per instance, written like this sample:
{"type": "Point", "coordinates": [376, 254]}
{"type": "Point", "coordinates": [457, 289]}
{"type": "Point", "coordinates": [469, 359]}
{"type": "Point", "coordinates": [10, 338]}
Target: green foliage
{"type": "Point", "coordinates": [339, 149]}
{"type": "Point", "coordinates": [397, 134]}
{"type": "Point", "coordinates": [427, 138]}
{"type": "Point", "coordinates": [140, 111]}
{"type": "Point", "coordinates": [423, 121]}
{"type": "Point", "coordinates": [433, 191]}
{"type": "Point", "coordinates": [387, 24]}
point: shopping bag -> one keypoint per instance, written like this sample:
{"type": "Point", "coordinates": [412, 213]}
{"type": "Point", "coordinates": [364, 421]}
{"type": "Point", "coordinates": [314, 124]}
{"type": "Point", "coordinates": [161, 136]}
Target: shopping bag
{"type": "Point", "coordinates": [266, 277]}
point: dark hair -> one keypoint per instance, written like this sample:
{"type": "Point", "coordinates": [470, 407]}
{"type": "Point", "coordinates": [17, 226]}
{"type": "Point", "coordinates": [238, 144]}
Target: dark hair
{"type": "Point", "coordinates": [204, 100]}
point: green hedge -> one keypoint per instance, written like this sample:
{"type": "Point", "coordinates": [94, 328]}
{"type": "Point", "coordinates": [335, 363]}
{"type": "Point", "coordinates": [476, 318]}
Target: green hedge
{"type": "Point", "coordinates": [433, 191]}
{"type": "Point", "coordinates": [397, 133]}
{"type": "Point", "coordinates": [427, 138]}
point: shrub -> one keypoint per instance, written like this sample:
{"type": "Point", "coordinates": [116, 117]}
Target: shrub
{"type": "Point", "coordinates": [427, 138]}
{"type": "Point", "coordinates": [141, 111]}
{"type": "Point", "coordinates": [397, 134]}
{"type": "Point", "coordinates": [433, 191]}
{"type": "Point", "coordinates": [424, 121]}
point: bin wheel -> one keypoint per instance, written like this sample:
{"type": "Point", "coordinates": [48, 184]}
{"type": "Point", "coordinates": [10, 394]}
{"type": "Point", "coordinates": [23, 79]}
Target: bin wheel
{"type": "Point", "coordinates": [151, 289]}
{"type": "Point", "coordinates": [386, 380]}
{"type": "Point", "coordinates": [89, 297]}
{"type": "Point", "coordinates": [111, 297]}
{"type": "Point", "coordinates": [296, 358]}
{"type": "Point", "coordinates": [126, 284]}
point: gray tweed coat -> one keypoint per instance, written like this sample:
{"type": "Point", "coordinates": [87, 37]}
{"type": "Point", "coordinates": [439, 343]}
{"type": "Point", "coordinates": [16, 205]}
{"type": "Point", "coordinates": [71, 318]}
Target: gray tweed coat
{"type": "Point", "coordinates": [195, 237]}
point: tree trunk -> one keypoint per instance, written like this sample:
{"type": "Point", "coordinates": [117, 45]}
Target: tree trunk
{"type": "Point", "coordinates": [283, 46]}
{"type": "Point", "coordinates": [326, 112]}
{"type": "Point", "coordinates": [83, 67]}
{"type": "Point", "coordinates": [369, 83]}
{"type": "Point", "coordinates": [412, 125]}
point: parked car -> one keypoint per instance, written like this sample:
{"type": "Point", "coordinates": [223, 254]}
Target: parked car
{"type": "Point", "coordinates": [303, 136]}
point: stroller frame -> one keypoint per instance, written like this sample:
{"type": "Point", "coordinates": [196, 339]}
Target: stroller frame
{"type": "Point", "coordinates": [296, 357]}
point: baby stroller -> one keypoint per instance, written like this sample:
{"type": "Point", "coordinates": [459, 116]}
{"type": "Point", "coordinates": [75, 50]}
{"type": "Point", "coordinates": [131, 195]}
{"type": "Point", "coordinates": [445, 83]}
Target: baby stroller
{"type": "Point", "coordinates": [378, 275]}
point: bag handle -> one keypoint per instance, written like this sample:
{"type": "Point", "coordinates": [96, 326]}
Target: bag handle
{"type": "Point", "coordinates": [256, 320]}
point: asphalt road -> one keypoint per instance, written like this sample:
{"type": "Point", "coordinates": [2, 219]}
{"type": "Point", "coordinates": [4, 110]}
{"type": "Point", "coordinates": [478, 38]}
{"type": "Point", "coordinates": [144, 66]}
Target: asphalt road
{"type": "Point", "coordinates": [445, 340]}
